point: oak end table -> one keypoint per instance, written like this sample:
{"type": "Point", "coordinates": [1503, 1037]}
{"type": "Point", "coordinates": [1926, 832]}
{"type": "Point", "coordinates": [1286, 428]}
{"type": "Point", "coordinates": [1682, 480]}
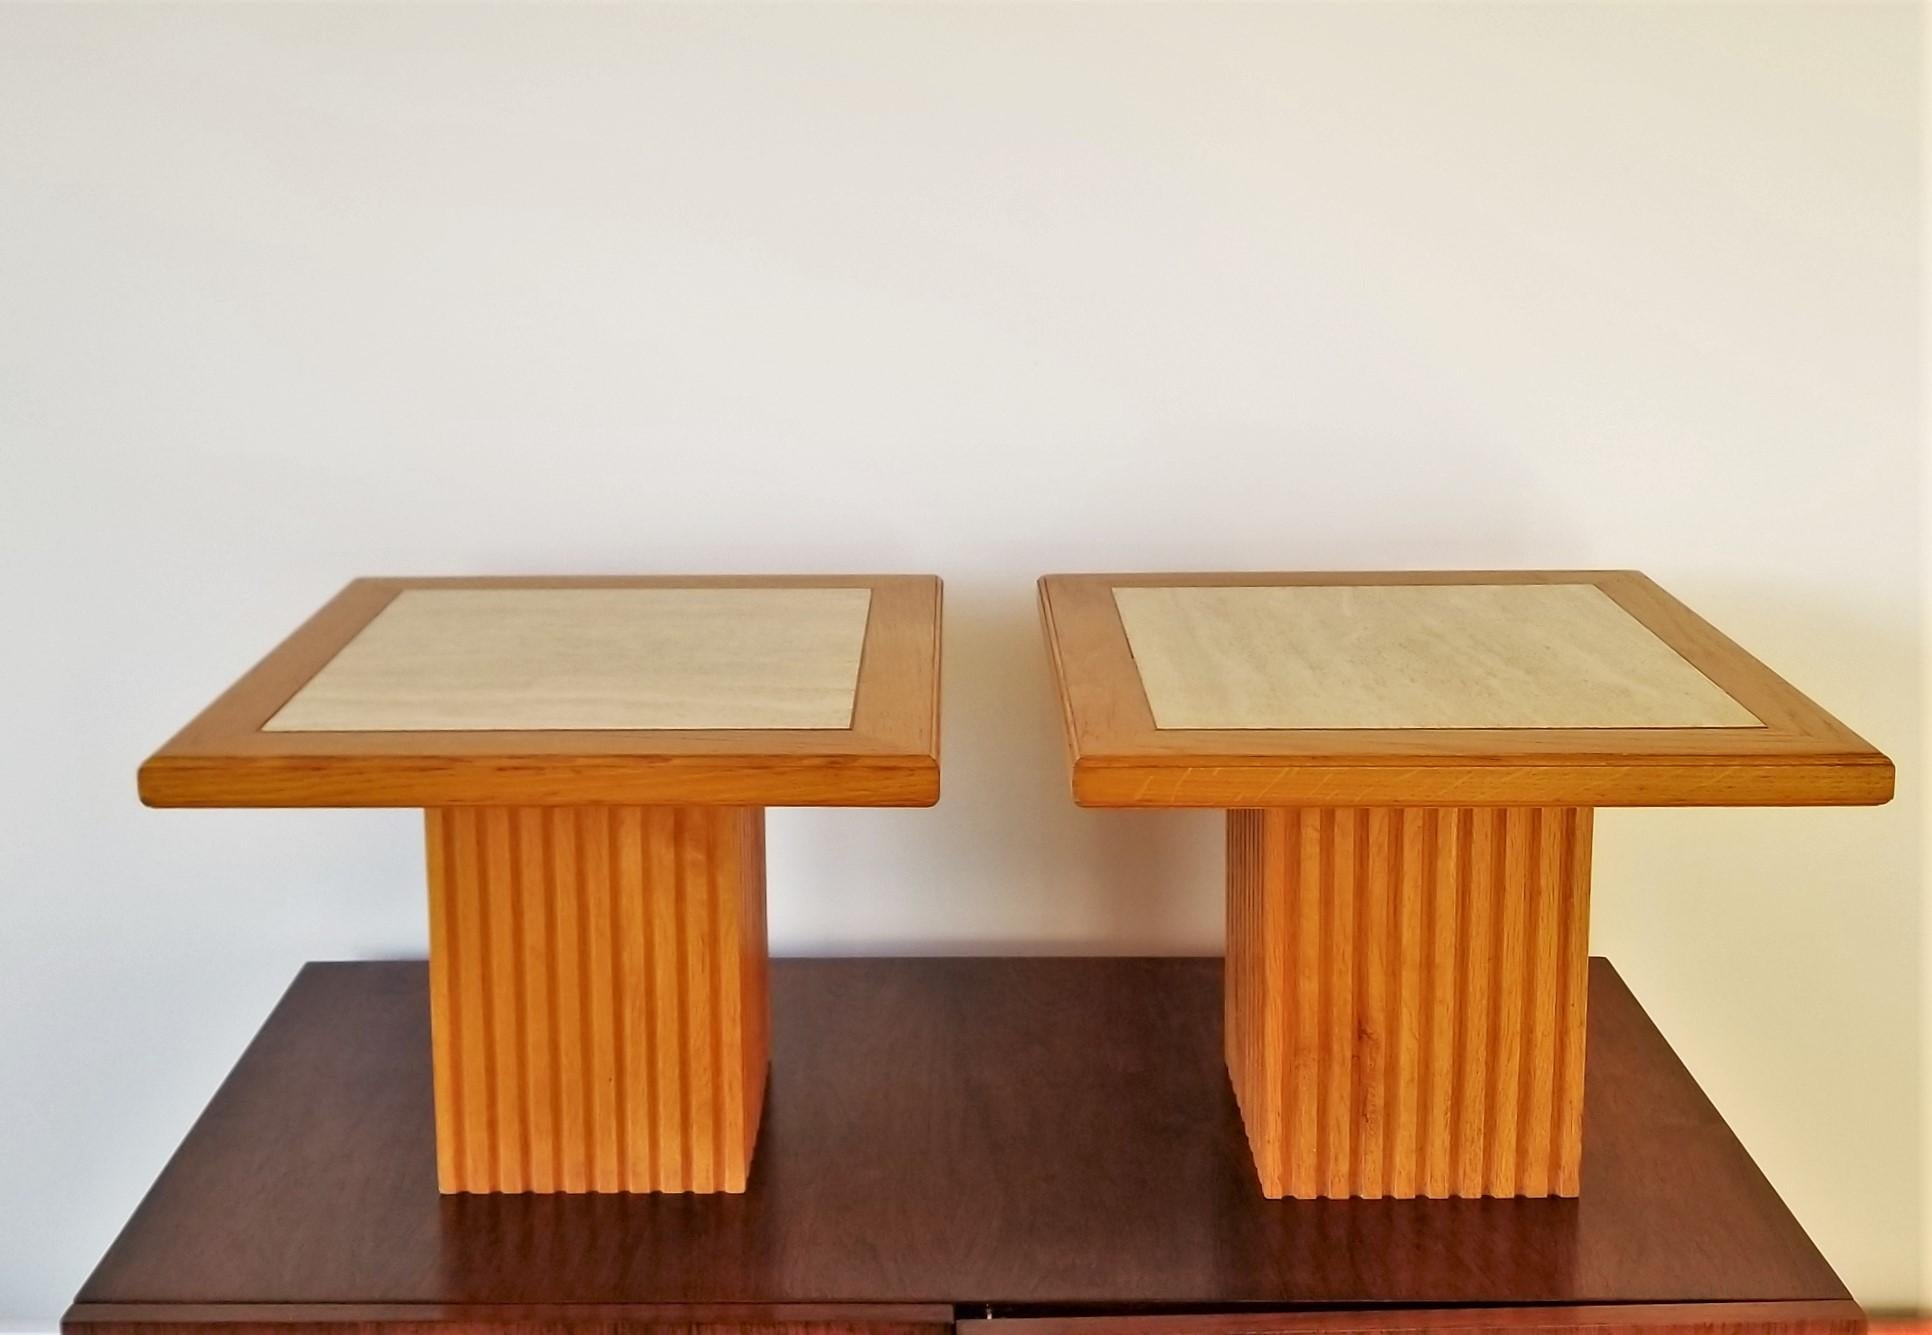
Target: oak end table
{"type": "Point", "coordinates": [1409, 761]}
{"type": "Point", "coordinates": [594, 757]}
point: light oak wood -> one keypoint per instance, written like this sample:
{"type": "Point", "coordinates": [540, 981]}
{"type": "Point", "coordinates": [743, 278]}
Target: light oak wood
{"type": "Point", "coordinates": [598, 1007]}
{"type": "Point", "coordinates": [889, 756]}
{"type": "Point", "coordinates": [1409, 656]}
{"type": "Point", "coordinates": [1405, 998]}
{"type": "Point", "coordinates": [481, 660]}
{"type": "Point", "coordinates": [1119, 757]}
{"type": "Point", "coordinates": [1410, 760]}
{"type": "Point", "coordinates": [596, 857]}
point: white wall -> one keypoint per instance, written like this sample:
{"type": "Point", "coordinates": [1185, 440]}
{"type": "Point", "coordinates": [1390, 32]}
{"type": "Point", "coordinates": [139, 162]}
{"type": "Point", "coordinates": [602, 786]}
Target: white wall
{"type": "Point", "coordinates": [291, 293]}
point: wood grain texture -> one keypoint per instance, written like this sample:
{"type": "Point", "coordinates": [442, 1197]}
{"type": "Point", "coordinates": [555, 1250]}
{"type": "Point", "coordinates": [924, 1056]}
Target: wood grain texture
{"type": "Point", "coordinates": [1788, 1318]}
{"type": "Point", "coordinates": [533, 660]}
{"type": "Point", "coordinates": [1409, 656]}
{"type": "Point", "coordinates": [1045, 1134]}
{"type": "Point", "coordinates": [597, 997]}
{"type": "Point", "coordinates": [888, 757]}
{"type": "Point", "coordinates": [1817, 1318]}
{"type": "Point", "coordinates": [1118, 757]}
{"type": "Point", "coordinates": [1405, 1000]}
{"type": "Point", "coordinates": [574, 1319]}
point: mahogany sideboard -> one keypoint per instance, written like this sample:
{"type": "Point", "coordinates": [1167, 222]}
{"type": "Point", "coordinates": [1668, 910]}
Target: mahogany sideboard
{"type": "Point", "coordinates": [1003, 1146]}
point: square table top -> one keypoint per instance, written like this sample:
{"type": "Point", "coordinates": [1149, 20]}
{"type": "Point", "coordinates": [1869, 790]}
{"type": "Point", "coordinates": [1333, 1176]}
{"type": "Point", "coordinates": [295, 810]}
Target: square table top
{"type": "Point", "coordinates": [781, 690]}
{"type": "Point", "coordinates": [1459, 688]}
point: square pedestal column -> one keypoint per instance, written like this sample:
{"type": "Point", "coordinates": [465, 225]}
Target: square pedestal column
{"type": "Point", "coordinates": [597, 996]}
{"type": "Point", "coordinates": [1405, 998]}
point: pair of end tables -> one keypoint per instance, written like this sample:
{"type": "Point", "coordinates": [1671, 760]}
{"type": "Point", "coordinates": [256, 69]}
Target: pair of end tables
{"type": "Point", "coordinates": [1395, 1047]}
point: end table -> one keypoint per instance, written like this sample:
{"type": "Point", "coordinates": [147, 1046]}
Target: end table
{"type": "Point", "coordinates": [1409, 762]}
{"type": "Point", "coordinates": [594, 757]}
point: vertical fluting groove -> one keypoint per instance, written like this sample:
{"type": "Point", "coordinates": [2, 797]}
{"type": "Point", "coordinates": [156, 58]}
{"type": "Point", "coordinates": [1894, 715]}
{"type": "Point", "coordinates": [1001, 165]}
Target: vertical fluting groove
{"type": "Point", "coordinates": [1515, 880]}
{"type": "Point", "coordinates": [1425, 1003]}
{"type": "Point", "coordinates": [706, 852]}
{"type": "Point", "coordinates": [1324, 994]}
{"type": "Point", "coordinates": [1238, 1016]}
{"type": "Point", "coordinates": [599, 1016]}
{"type": "Point", "coordinates": [1404, 998]}
{"type": "Point", "coordinates": [727, 1086]}
{"type": "Point", "coordinates": [1406, 1019]}
{"type": "Point", "coordinates": [598, 997]}
{"type": "Point", "coordinates": [520, 889]}
{"type": "Point", "coordinates": [667, 1090]}
{"type": "Point", "coordinates": [493, 956]}
{"type": "Point", "coordinates": [478, 1066]}
{"type": "Point", "coordinates": [642, 881]}
{"type": "Point", "coordinates": [704, 987]}
{"type": "Point", "coordinates": [1394, 1112]}
{"type": "Point", "coordinates": [1445, 1023]}
{"type": "Point", "coordinates": [1306, 1094]}
{"type": "Point", "coordinates": [1268, 1016]}
{"type": "Point", "coordinates": [1473, 939]}
{"type": "Point", "coordinates": [1340, 947]}
{"type": "Point", "coordinates": [1556, 925]}
{"type": "Point", "coordinates": [619, 996]}
{"type": "Point", "coordinates": [539, 936]}
{"type": "Point", "coordinates": [586, 1065]}
{"type": "Point", "coordinates": [445, 1016]}
{"type": "Point", "coordinates": [1515, 877]}
{"type": "Point", "coordinates": [1538, 1068]}
{"type": "Point", "coordinates": [1494, 1016]}
{"type": "Point", "coordinates": [1371, 1000]}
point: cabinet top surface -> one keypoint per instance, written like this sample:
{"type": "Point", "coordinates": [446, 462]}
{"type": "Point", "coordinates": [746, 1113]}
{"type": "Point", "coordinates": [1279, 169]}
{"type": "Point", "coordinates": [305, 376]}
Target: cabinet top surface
{"type": "Point", "coordinates": [717, 690]}
{"type": "Point", "coordinates": [1455, 688]}
{"type": "Point", "coordinates": [1028, 1132]}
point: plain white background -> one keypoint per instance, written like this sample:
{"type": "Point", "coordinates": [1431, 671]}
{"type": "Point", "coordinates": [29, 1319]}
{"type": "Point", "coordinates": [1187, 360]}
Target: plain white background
{"type": "Point", "coordinates": [290, 294]}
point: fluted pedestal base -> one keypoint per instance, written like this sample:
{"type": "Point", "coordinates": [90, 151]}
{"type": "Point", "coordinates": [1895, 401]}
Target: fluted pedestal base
{"type": "Point", "coordinates": [597, 996]}
{"type": "Point", "coordinates": [1405, 998]}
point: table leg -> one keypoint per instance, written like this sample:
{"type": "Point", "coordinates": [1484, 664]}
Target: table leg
{"type": "Point", "coordinates": [1405, 998]}
{"type": "Point", "coordinates": [598, 1009]}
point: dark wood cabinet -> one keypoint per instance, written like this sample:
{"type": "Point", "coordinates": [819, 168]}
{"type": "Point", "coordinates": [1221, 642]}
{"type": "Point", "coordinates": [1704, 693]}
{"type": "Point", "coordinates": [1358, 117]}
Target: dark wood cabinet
{"type": "Point", "coordinates": [1012, 1146]}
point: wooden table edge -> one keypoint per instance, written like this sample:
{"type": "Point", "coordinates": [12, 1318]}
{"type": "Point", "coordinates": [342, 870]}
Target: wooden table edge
{"type": "Point", "coordinates": [1803, 756]}
{"type": "Point", "coordinates": [1298, 578]}
{"type": "Point", "coordinates": [223, 758]}
{"type": "Point", "coordinates": [539, 780]}
{"type": "Point", "coordinates": [1864, 779]}
{"type": "Point", "coordinates": [1069, 730]}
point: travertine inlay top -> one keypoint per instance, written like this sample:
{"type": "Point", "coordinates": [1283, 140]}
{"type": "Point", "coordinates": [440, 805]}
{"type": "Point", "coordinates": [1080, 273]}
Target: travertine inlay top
{"type": "Point", "coordinates": [1410, 656]}
{"type": "Point", "coordinates": [593, 659]}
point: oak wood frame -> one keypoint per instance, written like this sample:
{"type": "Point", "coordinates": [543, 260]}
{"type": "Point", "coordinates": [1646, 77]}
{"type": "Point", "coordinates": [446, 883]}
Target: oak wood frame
{"type": "Point", "coordinates": [1119, 758]}
{"type": "Point", "coordinates": [887, 757]}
